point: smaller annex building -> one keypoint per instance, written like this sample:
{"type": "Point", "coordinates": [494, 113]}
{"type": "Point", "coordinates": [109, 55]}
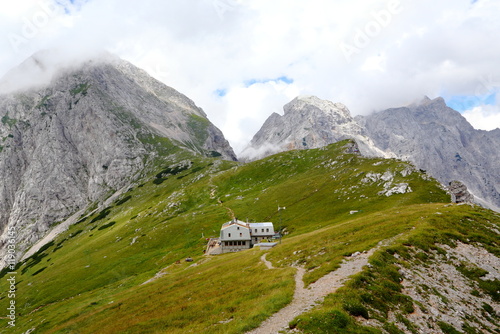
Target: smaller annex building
{"type": "Point", "coordinates": [236, 235]}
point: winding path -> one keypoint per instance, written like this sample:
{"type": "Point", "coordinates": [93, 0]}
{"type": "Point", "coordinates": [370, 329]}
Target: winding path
{"type": "Point", "coordinates": [305, 299]}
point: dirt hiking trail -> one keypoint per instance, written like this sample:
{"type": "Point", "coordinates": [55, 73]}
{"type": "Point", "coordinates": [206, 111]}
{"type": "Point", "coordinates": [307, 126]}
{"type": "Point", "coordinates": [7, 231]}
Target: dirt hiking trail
{"type": "Point", "coordinates": [305, 299]}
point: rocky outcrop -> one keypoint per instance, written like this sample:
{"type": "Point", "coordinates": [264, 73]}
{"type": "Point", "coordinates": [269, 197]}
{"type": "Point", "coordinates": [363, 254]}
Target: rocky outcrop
{"type": "Point", "coordinates": [459, 192]}
{"type": "Point", "coordinates": [87, 133]}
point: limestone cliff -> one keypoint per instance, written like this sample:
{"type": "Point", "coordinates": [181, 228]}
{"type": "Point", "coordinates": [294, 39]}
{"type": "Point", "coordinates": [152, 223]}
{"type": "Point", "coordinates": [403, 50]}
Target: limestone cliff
{"type": "Point", "coordinates": [85, 133]}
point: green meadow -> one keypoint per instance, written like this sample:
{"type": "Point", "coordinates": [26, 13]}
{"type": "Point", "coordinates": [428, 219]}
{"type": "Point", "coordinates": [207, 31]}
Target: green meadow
{"type": "Point", "coordinates": [122, 268]}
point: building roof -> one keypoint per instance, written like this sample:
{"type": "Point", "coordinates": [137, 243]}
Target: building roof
{"type": "Point", "coordinates": [234, 222]}
{"type": "Point", "coordinates": [257, 225]}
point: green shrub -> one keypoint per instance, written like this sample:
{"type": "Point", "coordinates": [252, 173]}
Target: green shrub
{"type": "Point", "coordinates": [356, 309]}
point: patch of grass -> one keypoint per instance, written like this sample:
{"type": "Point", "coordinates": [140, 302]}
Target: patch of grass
{"type": "Point", "coordinates": [471, 271]}
{"type": "Point", "coordinates": [43, 103]}
{"type": "Point", "coordinates": [80, 89]}
{"type": "Point", "coordinates": [331, 321]}
{"type": "Point", "coordinates": [489, 309]}
{"type": "Point", "coordinates": [198, 126]}
{"type": "Point", "coordinates": [356, 309]}
{"type": "Point", "coordinates": [408, 324]}
{"type": "Point", "coordinates": [490, 287]}
{"type": "Point", "coordinates": [469, 329]}
{"type": "Point", "coordinates": [392, 329]}
{"type": "Point", "coordinates": [10, 122]}
{"type": "Point", "coordinates": [447, 328]}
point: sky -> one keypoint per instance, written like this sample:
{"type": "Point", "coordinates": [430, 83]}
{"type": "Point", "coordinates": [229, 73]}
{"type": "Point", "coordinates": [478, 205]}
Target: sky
{"type": "Point", "coordinates": [242, 60]}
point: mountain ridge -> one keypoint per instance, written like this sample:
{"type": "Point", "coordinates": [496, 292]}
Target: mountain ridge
{"type": "Point", "coordinates": [431, 135]}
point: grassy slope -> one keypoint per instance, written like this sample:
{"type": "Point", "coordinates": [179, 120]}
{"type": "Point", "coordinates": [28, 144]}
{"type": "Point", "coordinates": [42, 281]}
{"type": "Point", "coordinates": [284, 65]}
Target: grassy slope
{"type": "Point", "coordinates": [377, 291]}
{"type": "Point", "coordinates": [92, 274]}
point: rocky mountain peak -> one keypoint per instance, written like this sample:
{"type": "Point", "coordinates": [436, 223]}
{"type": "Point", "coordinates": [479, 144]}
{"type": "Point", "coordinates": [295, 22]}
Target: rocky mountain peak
{"type": "Point", "coordinates": [308, 122]}
{"type": "Point", "coordinates": [427, 101]}
{"type": "Point", "coordinates": [310, 104]}
{"type": "Point", "coordinates": [85, 131]}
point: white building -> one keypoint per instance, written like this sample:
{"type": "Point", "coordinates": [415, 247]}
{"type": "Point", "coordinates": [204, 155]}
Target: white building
{"type": "Point", "coordinates": [261, 231]}
{"type": "Point", "coordinates": [236, 235]}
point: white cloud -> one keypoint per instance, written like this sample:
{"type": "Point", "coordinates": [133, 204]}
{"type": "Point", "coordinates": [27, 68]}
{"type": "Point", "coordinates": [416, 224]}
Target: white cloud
{"type": "Point", "coordinates": [423, 48]}
{"type": "Point", "coordinates": [249, 107]}
{"type": "Point", "coordinates": [483, 117]}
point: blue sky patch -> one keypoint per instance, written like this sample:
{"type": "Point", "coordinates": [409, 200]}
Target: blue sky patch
{"type": "Point", "coordinates": [284, 79]}
{"type": "Point", "coordinates": [467, 102]}
{"type": "Point", "coordinates": [70, 5]}
{"type": "Point", "coordinates": [221, 92]}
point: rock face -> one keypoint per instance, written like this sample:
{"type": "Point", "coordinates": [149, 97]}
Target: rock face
{"type": "Point", "coordinates": [429, 134]}
{"type": "Point", "coordinates": [83, 136]}
{"type": "Point", "coordinates": [308, 122]}
{"type": "Point", "coordinates": [438, 139]}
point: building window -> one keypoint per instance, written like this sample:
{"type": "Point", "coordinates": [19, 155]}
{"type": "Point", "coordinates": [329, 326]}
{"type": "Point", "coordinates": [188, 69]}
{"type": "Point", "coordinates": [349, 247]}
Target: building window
{"type": "Point", "coordinates": [237, 227]}
{"type": "Point", "coordinates": [241, 234]}
{"type": "Point", "coordinates": [255, 230]}
{"type": "Point", "coordinates": [262, 230]}
{"type": "Point", "coordinates": [267, 230]}
{"type": "Point", "coordinates": [229, 235]}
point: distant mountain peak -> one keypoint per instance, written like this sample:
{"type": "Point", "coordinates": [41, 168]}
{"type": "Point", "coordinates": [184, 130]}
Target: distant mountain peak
{"type": "Point", "coordinates": [308, 122]}
{"type": "Point", "coordinates": [323, 105]}
{"type": "Point", "coordinates": [426, 101]}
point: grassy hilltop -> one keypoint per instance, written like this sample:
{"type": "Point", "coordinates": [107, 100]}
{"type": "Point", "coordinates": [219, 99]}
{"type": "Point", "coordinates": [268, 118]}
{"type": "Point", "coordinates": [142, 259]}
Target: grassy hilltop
{"type": "Point", "coordinates": [121, 269]}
